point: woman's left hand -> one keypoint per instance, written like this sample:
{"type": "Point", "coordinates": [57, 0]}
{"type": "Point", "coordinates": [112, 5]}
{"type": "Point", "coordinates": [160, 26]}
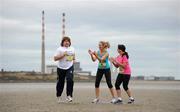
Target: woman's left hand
{"type": "Point", "coordinates": [111, 59]}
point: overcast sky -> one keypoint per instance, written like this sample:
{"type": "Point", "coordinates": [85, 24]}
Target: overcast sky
{"type": "Point", "coordinates": [150, 29]}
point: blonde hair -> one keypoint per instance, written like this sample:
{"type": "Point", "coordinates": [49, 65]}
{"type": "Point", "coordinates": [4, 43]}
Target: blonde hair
{"type": "Point", "coordinates": [105, 44]}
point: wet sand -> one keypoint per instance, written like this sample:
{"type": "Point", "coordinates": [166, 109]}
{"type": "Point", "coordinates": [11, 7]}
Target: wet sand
{"type": "Point", "coordinates": [150, 96]}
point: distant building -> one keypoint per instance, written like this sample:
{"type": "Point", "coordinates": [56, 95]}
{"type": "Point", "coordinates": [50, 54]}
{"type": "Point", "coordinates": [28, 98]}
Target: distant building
{"type": "Point", "coordinates": [149, 78]}
{"type": "Point", "coordinates": [77, 69]}
{"type": "Point", "coordinates": [51, 69]}
{"type": "Point", "coordinates": [138, 78]}
{"type": "Point", "coordinates": [160, 78]}
{"type": "Point", "coordinates": [77, 66]}
{"type": "Point", "coordinates": [164, 78]}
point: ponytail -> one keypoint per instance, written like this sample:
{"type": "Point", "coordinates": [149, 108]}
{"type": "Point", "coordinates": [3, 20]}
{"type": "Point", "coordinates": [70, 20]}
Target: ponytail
{"type": "Point", "coordinates": [126, 54]}
{"type": "Point", "coordinates": [107, 45]}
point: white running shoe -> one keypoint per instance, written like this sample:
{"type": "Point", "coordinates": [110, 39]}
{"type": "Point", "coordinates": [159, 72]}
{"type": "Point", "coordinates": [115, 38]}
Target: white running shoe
{"type": "Point", "coordinates": [118, 101]}
{"type": "Point", "coordinates": [69, 99]}
{"type": "Point", "coordinates": [96, 100]}
{"type": "Point", "coordinates": [113, 100]}
{"type": "Point", "coordinates": [131, 100]}
{"type": "Point", "coordinates": [59, 100]}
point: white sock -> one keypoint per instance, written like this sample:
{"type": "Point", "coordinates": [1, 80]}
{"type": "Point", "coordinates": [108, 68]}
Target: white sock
{"type": "Point", "coordinates": [131, 98]}
{"type": "Point", "coordinates": [58, 97]}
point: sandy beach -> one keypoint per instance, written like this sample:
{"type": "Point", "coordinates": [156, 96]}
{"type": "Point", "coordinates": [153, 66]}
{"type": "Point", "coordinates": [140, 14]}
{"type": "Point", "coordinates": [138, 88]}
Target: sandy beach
{"type": "Point", "coordinates": [150, 96]}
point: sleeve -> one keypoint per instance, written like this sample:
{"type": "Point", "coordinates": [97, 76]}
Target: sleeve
{"type": "Point", "coordinates": [125, 60]}
{"type": "Point", "coordinates": [117, 59]}
{"type": "Point", "coordinates": [57, 52]}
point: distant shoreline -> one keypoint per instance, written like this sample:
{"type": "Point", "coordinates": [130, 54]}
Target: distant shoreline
{"type": "Point", "coordinates": [36, 77]}
{"type": "Point", "coordinates": [82, 81]}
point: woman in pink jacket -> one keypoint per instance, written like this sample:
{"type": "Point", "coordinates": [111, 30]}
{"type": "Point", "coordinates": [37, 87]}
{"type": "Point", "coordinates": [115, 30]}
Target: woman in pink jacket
{"type": "Point", "coordinates": [122, 62]}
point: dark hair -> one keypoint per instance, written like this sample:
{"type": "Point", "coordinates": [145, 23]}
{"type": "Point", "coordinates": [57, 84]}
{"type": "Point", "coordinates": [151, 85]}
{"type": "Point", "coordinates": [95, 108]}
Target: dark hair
{"type": "Point", "coordinates": [64, 39]}
{"type": "Point", "coordinates": [123, 48]}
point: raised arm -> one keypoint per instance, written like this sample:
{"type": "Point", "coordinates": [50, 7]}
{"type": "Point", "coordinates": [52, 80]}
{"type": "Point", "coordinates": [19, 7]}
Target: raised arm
{"type": "Point", "coordinates": [103, 58]}
{"type": "Point", "coordinates": [93, 57]}
{"type": "Point", "coordinates": [116, 64]}
{"type": "Point", "coordinates": [113, 61]}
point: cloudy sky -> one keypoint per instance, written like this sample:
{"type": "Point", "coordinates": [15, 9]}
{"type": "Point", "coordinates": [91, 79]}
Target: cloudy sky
{"type": "Point", "coordinates": [149, 28]}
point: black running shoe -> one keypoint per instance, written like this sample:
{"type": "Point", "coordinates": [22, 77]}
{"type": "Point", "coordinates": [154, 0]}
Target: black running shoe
{"type": "Point", "coordinates": [118, 101]}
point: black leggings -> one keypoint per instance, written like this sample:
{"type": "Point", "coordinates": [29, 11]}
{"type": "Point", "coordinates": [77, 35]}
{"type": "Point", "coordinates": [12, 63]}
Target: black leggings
{"type": "Point", "coordinates": [62, 74]}
{"type": "Point", "coordinates": [122, 78]}
{"type": "Point", "coordinates": [99, 76]}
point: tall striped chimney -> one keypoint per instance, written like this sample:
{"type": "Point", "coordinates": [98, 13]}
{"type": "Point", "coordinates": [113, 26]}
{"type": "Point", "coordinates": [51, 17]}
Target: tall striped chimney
{"type": "Point", "coordinates": [43, 46]}
{"type": "Point", "coordinates": [63, 25]}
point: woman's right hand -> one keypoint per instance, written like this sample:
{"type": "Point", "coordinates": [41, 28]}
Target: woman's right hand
{"type": "Point", "coordinates": [93, 57]}
{"type": "Point", "coordinates": [90, 52]}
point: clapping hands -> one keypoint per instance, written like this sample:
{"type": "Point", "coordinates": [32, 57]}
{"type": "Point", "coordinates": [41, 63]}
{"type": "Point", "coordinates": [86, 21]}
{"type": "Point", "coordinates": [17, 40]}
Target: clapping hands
{"type": "Point", "coordinates": [111, 59]}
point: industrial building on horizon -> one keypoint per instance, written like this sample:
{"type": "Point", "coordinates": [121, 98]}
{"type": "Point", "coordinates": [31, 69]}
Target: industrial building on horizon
{"type": "Point", "coordinates": [50, 69]}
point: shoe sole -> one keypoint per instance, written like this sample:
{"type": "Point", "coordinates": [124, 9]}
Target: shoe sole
{"type": "Point", "coordinates": [95, 102]}
{"type": "Point", "coordinates": [131, 102]}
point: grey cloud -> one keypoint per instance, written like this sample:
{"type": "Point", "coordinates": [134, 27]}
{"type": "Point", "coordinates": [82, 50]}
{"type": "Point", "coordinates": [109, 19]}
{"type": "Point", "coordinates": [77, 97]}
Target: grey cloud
{"type": "Point", "coordinates": [146, 28]}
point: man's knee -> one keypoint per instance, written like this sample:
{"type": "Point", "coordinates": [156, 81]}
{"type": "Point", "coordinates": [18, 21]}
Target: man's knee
{"type": "Point", "coordinates": [69, 79]}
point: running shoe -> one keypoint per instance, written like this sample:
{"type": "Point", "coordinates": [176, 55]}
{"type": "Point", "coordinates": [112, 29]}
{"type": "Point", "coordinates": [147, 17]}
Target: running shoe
{"type": "Point", "coordinates": [69, 99]}
{"type": "Point", "coordinates": [96, 100]}
{"type": "Point", "coordinates": [131, 100]}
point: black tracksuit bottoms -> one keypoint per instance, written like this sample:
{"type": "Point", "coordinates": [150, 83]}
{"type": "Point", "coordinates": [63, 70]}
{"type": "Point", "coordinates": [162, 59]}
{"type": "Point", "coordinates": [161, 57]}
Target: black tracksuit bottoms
{"type": "Point", "coordinates": [61, 75]}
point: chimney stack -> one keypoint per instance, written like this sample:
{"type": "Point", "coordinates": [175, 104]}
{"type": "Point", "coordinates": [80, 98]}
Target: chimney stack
{"type": "Point", "coordinates": [43, 46]}
{"type": "Point", "coordinates": [63, 25]}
